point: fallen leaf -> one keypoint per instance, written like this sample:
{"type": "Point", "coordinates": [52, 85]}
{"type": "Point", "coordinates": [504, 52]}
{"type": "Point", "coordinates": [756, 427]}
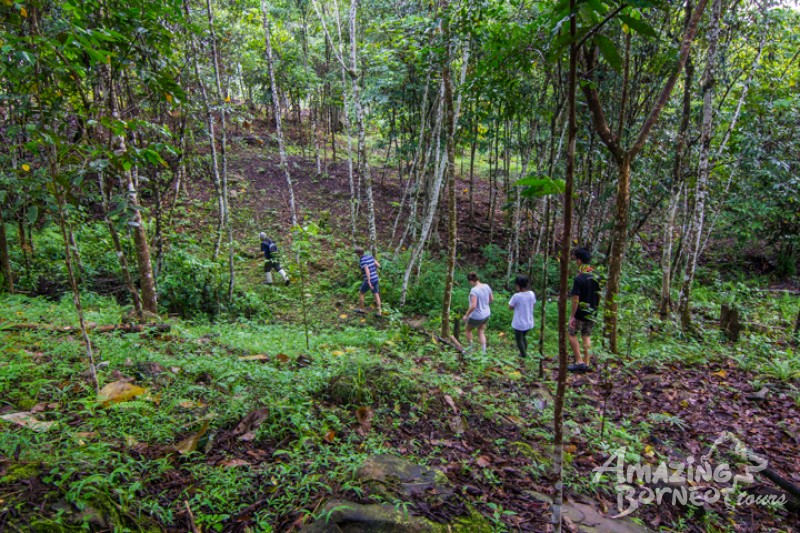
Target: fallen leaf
{"type": "Point", "coordinates": [258, 357]}
{"type": "Point", "coordinates": [483, 461]}
{"type": "Point", "coordinates": [343, 316]}
{"type": "Point", "coordinates": [189, 444]}
{"type": "Point", "coordinates": [189, 404]}
{"type": "Point", "coordinates": [44, 406]}
{"type": "Point", "coordinates": [23, 12]}
{"type": "Point", "coordinates": [722, 373]}
{"type": "Point", "coordinates": [449, 401]}
{"type": "Point", "coordinates": [364, 416]}
{"type": "Point", "coordinates": [27, 420]}
{"type": "Point", "coordinates": [457, 424]}
{"type": "Point", "coordinates": [282, 357]}
{"type": "Point", "coordinates": [25, 166]}
{"type": "Point", "coordinates": [233, 463]}
{"type": "Point", "coordinates": [245, 429]}
{"type": "Point", "coordinates": [119, 391]}
{"type": "Point", "coordinates": [337, 353]}
{"type": "Point", "coordinates": [329, 437]}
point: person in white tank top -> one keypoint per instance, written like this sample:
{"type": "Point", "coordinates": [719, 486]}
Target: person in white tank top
{"type": "Point", "coordinates": [476, 317]}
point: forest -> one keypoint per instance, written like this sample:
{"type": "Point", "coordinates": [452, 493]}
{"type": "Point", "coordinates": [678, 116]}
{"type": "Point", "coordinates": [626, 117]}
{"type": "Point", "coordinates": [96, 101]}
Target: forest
{"type": "Point", "coordinates": [399, 266]}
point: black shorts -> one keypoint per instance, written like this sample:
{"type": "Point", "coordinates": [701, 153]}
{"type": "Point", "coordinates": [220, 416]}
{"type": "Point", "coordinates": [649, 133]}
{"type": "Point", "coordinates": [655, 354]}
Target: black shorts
{"type": "Point", "coordinates": [365, 288]}
{"type": "Point", "coordinates": [272, 264]}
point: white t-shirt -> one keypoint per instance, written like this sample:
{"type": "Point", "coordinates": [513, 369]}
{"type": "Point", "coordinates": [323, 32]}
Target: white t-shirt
{"type": "Point", "coordinates": [523, 303]}
{"type": "Point", "coordinates": [482, 294]}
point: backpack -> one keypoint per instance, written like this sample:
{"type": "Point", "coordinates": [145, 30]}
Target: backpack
{"type": "Point", "coordinates": [273, 247]}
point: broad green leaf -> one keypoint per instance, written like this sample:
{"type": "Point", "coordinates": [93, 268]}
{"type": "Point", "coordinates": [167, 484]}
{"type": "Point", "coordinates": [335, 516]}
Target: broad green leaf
{"type": "Point", "coordinates": [609, 51]}
{"type": "Point", "coordinates": [536, 186]}
{"type": "Point", "coordinates": [639, 26]}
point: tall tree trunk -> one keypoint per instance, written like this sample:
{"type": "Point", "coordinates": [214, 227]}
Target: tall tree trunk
{"type": "Point", "coordinates": [147, 279]}
{"type": "Point", "coordinates": [566, 236]}
{"type": "Point", "coordinates": [439, 169]}
{"type": "Point", "coordinates": [623, 157]}
{"type": "Point", "coordinates": [277, 110]}
{"type": "Point", "coordinates": [223, 150]}
{"type": "Point", "coordinates": [451, 182]}
{"type": "Point", "coordinates": [665, 305]}
{"type": "Point", "coordinates": [5, 260]}
{"type": "Point", "coordinates": [212, 138]}
{"type": "Point", "coordinates": [619, 236]}
{"type": "Point", "coordinates": [104, 185]}
{"type": "Point", "coordinates": [363, 161]}
{"type": "Point", "coordinates": [704, 169]}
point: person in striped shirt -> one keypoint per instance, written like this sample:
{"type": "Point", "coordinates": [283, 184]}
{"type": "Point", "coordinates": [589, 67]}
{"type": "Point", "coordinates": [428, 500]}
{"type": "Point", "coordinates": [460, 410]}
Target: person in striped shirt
{"type": "Point", "coordinates": [369, 273]}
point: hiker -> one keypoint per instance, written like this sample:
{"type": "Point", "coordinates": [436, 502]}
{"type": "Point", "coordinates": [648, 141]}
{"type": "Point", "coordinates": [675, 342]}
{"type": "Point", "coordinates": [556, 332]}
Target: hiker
{"type": "Point", "coordinates": [522, 304]}
{"type": "Point", "coordinates": [271, 259]}
{"type": "Point", "coordinates": [585, 299]}
{"type": "Point", "coordinates": [369, 273]}
{"type": "Point", "coordinates": [480, 298]}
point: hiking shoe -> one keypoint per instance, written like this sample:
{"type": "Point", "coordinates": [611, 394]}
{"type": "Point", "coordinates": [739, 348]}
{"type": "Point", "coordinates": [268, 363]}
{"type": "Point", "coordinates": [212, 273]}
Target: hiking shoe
{"type": "Point", "coordinates": [288, 282]}
{"type": "Point", "coordinates": [577, 367]}
{"type": "Point", "coordinates": [585, 367]}
{"type": "Point", "coordinates": [360, 311]}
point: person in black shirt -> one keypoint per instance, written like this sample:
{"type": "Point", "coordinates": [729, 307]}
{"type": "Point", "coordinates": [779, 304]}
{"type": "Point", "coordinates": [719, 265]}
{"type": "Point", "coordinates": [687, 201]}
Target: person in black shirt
{"type": "Point", "coordinates": [272, 259]}
{"type": "Point", "coordinates": [585, 298]}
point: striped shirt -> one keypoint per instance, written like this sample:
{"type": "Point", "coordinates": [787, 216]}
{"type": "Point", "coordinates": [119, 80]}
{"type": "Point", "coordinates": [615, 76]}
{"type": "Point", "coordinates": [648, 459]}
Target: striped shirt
{"type": "Point", "coordinates": [368, 261]}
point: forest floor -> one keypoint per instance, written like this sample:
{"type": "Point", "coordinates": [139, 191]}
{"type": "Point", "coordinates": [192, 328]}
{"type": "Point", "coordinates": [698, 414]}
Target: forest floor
{"type": "Point", "coordinates": [247, 424]}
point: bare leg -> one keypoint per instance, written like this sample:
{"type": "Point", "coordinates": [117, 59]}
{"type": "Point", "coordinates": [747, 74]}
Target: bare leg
{"type": "Point", "coordinates": [378, 302]}
{"type": "Point", "coordinates": [361, 300]}
{"type": "Point", "coordinates": [587, 345]}
{"type": "Point", "coordinates": [482, 336]}
{"type": "Point", "coordinates": [468, 333]}
{"type": "Point", "coordinates": [576, 349]}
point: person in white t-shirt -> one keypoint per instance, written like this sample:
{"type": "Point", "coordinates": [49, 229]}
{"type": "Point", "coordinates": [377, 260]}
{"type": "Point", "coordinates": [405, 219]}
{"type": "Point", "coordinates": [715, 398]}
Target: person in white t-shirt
{"type": "Point", "coordinates": [476, 317]}
{"type": "Point", "coordinates": [522, 304]}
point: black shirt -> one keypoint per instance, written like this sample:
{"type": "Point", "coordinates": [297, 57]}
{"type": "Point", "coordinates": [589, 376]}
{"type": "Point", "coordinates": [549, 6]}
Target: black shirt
{"type": "Point", "coordinates": [268, 254]}
{"type": "Point", "coordinates": [587, 289]}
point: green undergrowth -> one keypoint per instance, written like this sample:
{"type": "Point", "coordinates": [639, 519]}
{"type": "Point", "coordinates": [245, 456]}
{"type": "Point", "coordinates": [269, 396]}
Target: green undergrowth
{"type": "Point", "coordinates": [111, 466]}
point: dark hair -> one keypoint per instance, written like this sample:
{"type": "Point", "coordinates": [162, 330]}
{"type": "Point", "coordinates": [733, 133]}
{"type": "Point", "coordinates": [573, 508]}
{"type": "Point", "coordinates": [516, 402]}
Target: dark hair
{"type": "Point", "coordinates": [583, 254]}
{"type": "Point", "coordinates": [472, 276]}
{"type": "Point", "coordinates": [523, 282]}
{"type": "Point", "coordinates": [359, 250]}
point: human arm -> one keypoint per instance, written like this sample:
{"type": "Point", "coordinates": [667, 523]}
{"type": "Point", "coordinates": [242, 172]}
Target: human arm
{"type": "Point", "coordinates": [473, 303]}
{"type": "Point", "coordinates": [365, 269]}
{"type": "Point", "coordinates": [511, 303]}
{"type": "Point", "coordinates": [575, 305]}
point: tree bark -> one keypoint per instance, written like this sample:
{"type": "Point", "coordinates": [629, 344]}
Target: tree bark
{"type": "Point", "coordinates": [451, 183]}
{"type": "Point", "coordinates": [147, 279]}
{"type": "Point", "coordinates": [623, 158]}
{"type": "Point", "coordinates": [223, 150]}
{"type": "Point", "coordinates": [701, 186]}
{"type": "Point", "coordinates": [212, 138]}
{"type": "Point", "coordinates": [566, 235]}
{"type": "Point", "coordinates": [363, 161]}
{"type": "Point", "coordinates": [284, 160]}
{"type": "Point", "coordinates": [123, 261]}
{"type": "Point", "coordinates": [5, 260]}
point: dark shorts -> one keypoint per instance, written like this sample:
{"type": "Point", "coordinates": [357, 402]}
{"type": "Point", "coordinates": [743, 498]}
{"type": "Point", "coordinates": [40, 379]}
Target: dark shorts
{"type": "Point", "coordinates": [365, 287]}
{"type": "Point", "coordinates": [474, 322]}
{"type": "Point", "coordinates": [271, 264]}
{"type": "Point", "coordinates": [584, 327]}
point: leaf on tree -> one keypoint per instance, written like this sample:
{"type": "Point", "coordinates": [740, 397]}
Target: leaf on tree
{"type": "Point", "coordinates": [609, 51]}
